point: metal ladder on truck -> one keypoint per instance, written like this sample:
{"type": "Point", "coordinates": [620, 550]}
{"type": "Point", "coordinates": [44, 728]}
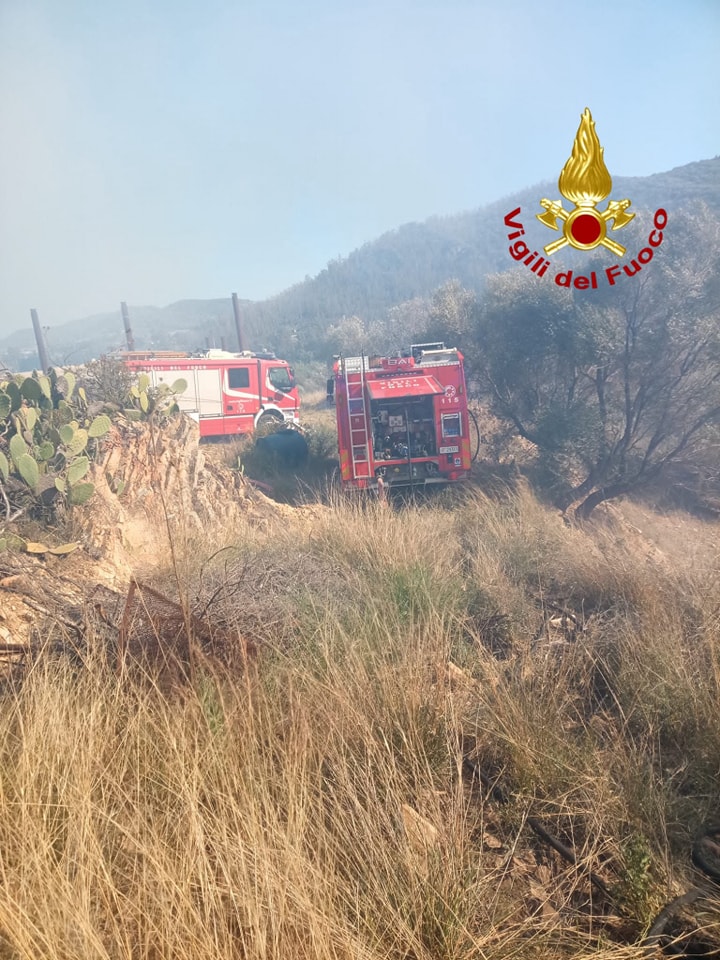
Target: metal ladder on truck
{"type": "Point", "coordinates": [354, 373]}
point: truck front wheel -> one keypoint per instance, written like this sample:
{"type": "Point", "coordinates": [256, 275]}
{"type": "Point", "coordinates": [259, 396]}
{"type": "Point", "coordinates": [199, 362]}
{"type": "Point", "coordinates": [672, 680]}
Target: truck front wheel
{"type": "Point", "coordinates": [267, 422]}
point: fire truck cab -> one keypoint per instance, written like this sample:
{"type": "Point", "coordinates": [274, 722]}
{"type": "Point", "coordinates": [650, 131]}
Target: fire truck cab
{"type": "Point", "coordinates": [402, 419]}
{"type": "Point", "coordinates": [227, 393]}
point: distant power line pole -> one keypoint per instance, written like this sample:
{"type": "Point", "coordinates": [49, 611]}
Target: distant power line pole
{"type": "Point", "coordinates": [40, 340]}
{"type": "Point", "coordinates": [238, 324]}
{"type": "Point", "coordinates": [129, 339]}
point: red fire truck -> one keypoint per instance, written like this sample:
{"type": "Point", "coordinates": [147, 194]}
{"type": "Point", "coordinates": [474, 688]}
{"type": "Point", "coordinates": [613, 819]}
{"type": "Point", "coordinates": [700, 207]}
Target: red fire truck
{"type": "Point", "coordinates": [404, 419]}
{"type": "Point", "coordinates": [227, 393]}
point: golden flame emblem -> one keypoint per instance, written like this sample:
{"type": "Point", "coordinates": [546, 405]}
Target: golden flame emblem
{"type": "Point", "coordinates": [585, 181]}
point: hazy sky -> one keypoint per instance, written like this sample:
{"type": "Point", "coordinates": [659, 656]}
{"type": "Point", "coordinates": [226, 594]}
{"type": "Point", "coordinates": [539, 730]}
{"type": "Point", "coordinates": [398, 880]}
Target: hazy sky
{"type": "Point", "coordinates": [153, 150]}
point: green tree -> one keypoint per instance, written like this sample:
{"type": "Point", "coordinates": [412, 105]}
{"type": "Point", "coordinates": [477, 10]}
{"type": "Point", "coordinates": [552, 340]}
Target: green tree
{"type": "Point", "coordinates": [452, 314]}
{"type": "Point", "coordinates": [404, 324]}
{"type": "Point", "coordinates": [615, 385]}
{"type": "Point", "coordinates": [348, 336]}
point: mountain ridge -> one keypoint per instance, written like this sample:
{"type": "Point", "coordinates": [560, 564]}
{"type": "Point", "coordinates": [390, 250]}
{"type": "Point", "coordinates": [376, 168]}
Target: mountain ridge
{"type": "Point", "coordinates": [406, 262]}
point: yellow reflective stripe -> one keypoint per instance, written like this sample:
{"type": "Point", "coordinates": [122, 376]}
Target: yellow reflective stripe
{"type": "Point", "coordinates": [345, 466]}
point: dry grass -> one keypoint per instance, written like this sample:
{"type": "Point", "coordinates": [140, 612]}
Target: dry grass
{"type": "Point", "coordinates": [313, 804]}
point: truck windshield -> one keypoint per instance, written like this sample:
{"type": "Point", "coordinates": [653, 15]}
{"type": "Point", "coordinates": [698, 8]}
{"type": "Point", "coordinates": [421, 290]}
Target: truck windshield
{"type": "Point", "coordinates": [281, 379]}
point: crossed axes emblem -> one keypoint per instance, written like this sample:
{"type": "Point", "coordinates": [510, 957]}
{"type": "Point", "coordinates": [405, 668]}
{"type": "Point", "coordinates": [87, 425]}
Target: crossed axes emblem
{"type": "Point", "coordinates": [555, 211]}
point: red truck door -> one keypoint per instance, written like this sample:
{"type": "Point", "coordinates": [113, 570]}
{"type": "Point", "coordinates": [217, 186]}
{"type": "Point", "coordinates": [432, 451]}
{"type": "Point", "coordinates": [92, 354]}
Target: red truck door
{"type": "Point", "coordinates": [240, 396]}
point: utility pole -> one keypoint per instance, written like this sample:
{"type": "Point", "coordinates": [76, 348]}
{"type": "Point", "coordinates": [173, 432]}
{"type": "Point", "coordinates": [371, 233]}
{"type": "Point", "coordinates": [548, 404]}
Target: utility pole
{"type": "Point", "coordinates": [40, 340]}
{"type": "Point", "coordinates": [129, 339]}
{"type": "Point", "coordinates": [238, 324]}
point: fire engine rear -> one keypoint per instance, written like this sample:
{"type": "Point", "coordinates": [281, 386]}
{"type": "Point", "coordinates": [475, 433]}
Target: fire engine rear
{"type": "Point", "coordinates": [227, 393]}
{"type": "Point", "coordinates": [402, 420]}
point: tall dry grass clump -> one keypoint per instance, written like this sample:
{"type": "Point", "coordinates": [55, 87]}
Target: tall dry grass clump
{"type": "Point", "coordinates": [312, 802]}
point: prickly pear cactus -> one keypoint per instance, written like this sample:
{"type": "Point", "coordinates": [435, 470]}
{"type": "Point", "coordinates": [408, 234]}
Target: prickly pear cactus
{"type": "Point", "coordinates": [50, 434]}
{"type": "Point", "coordinates": [47, 440]}
{"type": "Point", "coordinates": [148, 402]}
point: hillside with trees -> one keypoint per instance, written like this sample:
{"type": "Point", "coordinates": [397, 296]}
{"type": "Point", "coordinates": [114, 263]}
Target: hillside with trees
{"type": "Point", "coordinates": [613, 391]}
{"type": "Point", "coordinates": [405, 266]}
{"type": "Point", "coordinates": [402, 267]}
